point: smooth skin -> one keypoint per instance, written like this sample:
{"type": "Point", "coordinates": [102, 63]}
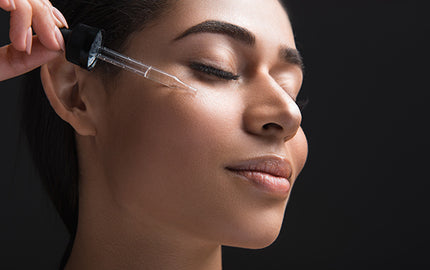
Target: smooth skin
{"type": "Point", "coordinates": [154, 189]}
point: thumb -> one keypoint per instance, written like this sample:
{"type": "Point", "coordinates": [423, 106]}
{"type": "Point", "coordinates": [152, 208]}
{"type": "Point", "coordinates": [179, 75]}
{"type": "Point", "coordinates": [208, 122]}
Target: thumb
{"type": "Point", "coordinates": [14, 63]}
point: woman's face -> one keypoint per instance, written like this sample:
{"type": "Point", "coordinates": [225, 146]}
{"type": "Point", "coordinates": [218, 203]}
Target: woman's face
{"type": "Point", "coordinates": [182, 161]}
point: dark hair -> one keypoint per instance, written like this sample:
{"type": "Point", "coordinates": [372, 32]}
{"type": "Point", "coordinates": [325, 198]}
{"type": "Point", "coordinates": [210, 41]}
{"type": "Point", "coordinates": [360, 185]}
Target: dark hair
{"type": "Point", "coordinates": [52, 140]}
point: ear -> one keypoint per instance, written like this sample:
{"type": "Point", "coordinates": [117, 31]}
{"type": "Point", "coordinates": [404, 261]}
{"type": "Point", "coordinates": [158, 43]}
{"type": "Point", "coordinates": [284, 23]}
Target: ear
{"type": "Point", "coordinates": [60, 81]}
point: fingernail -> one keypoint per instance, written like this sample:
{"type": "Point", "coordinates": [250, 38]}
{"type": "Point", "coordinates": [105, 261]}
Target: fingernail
{"type": "Point", "coordinates": [12, 4]}
{"type": "Point", "coordinates": [59, 16]}
{"type": "Point", "coordinates": [59, 38]}
{"type": "Point", "coordinates": [28, 40]}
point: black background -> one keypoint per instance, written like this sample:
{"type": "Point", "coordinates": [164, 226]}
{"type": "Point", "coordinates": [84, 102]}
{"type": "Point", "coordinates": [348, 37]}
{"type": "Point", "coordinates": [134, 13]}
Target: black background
{"type": "Point", "coordinates": [362, 200]}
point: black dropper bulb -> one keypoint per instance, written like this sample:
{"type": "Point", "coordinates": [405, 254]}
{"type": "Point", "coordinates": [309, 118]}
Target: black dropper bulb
{"type": "Point", "coordinates": [82, 45]}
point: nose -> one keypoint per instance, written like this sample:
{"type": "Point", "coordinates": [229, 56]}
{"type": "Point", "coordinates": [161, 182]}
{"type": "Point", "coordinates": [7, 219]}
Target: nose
{"type": "Point", "coordinates": [270, 112]}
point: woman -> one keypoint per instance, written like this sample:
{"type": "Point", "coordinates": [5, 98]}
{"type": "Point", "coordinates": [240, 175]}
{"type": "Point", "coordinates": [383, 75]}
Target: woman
{"type": "Point", "coordinates": [149, 177]}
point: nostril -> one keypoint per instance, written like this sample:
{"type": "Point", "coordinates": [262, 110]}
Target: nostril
{"type": "Point", "coordinates": [272, 126]}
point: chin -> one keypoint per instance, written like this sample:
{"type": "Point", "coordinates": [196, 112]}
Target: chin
{"type": "Point", "coordinates": [255, 241]}
{"type": "Point", "coordinates": [256, 236]}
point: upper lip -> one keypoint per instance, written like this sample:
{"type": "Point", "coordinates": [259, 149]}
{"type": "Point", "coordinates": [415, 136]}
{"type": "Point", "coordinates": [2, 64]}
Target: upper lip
{"type": "Point", "coordinates": [273, 165]}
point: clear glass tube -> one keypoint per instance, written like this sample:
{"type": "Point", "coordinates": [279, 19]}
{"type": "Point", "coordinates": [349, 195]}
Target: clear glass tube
{"type": "Point", "coordinates": [149, 72]}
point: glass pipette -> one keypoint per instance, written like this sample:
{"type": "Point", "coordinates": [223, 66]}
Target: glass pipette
{"type": "Point", "coordinates": [84, 48]}
{"type": "Point", "coordinates": [137, 67]}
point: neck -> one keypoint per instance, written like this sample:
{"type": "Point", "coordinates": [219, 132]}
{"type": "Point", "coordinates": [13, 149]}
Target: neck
{"type": "Point", "coordinates": [103, 242]}
{"type": "Point", "coordinates": [108, 237]}
{"type": "Point", "coordinates": [114, 236]}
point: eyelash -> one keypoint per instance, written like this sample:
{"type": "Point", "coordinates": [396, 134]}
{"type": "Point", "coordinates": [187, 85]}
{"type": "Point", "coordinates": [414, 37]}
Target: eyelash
{"type": "Point", "coordinates": [222, 74]}
{"type": "Point", "coordinates": [302, 103]}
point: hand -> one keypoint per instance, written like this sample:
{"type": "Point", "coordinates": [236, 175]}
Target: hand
{"type": "Point", "coordinates": [26, 52]}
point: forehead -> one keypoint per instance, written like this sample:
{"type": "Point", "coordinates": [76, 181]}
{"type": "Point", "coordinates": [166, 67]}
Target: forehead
{"type": "Point", "coordinates": [266, 19]}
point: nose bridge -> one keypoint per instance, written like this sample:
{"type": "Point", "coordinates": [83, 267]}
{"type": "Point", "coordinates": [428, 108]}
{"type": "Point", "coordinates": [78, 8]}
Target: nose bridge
{"type": "Point", "coordinates": [270, 111]}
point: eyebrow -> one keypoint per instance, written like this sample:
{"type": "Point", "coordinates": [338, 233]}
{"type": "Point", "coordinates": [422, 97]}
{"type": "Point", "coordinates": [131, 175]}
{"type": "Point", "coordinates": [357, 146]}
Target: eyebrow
{"type": "Point", "coordinates": [220, 27]}
{"type": "Point", "coordinates": [291, 56]}
{"type": "Point", "coordinates": [287, 54]}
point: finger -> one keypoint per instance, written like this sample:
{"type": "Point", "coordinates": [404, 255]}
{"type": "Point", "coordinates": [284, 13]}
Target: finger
{"type": "Point", "coordinates": [45, 25]}
{"type": "Point", "coordinates": [59, 17]}
{"type": "Point", "coordinates": [7, 5]}
{"type": "Point", "coordinates": [29, 41]}
{"type": "Point", "coordinates": [14, 63]}
{"type": "Point", "coordinates": [20, 21]}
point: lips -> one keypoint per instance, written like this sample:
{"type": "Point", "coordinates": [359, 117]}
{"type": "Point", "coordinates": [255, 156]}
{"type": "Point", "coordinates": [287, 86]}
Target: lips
{"type": "Point", "coordinates": [270, 173]}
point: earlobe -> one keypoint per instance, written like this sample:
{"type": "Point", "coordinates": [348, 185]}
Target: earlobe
{"type": "Point", "coordinates": [60, 82]}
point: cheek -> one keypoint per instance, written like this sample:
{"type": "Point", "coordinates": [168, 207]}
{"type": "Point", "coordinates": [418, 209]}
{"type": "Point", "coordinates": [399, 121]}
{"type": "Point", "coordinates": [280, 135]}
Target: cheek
{"type": "Point", "coordinates": [160, 156]}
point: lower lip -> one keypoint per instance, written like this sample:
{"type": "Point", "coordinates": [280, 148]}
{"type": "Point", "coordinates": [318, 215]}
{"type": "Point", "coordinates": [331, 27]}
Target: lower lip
{"type": "Point", "coordinates": [267, 182]}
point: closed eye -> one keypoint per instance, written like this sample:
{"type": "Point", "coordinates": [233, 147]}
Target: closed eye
{"type": "Point", "coordinates": [222, 74]}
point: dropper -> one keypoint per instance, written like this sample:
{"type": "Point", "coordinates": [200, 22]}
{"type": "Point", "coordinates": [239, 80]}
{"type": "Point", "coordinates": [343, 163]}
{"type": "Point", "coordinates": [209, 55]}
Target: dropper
{"type": "Point", "coordinates": [84, 46]}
